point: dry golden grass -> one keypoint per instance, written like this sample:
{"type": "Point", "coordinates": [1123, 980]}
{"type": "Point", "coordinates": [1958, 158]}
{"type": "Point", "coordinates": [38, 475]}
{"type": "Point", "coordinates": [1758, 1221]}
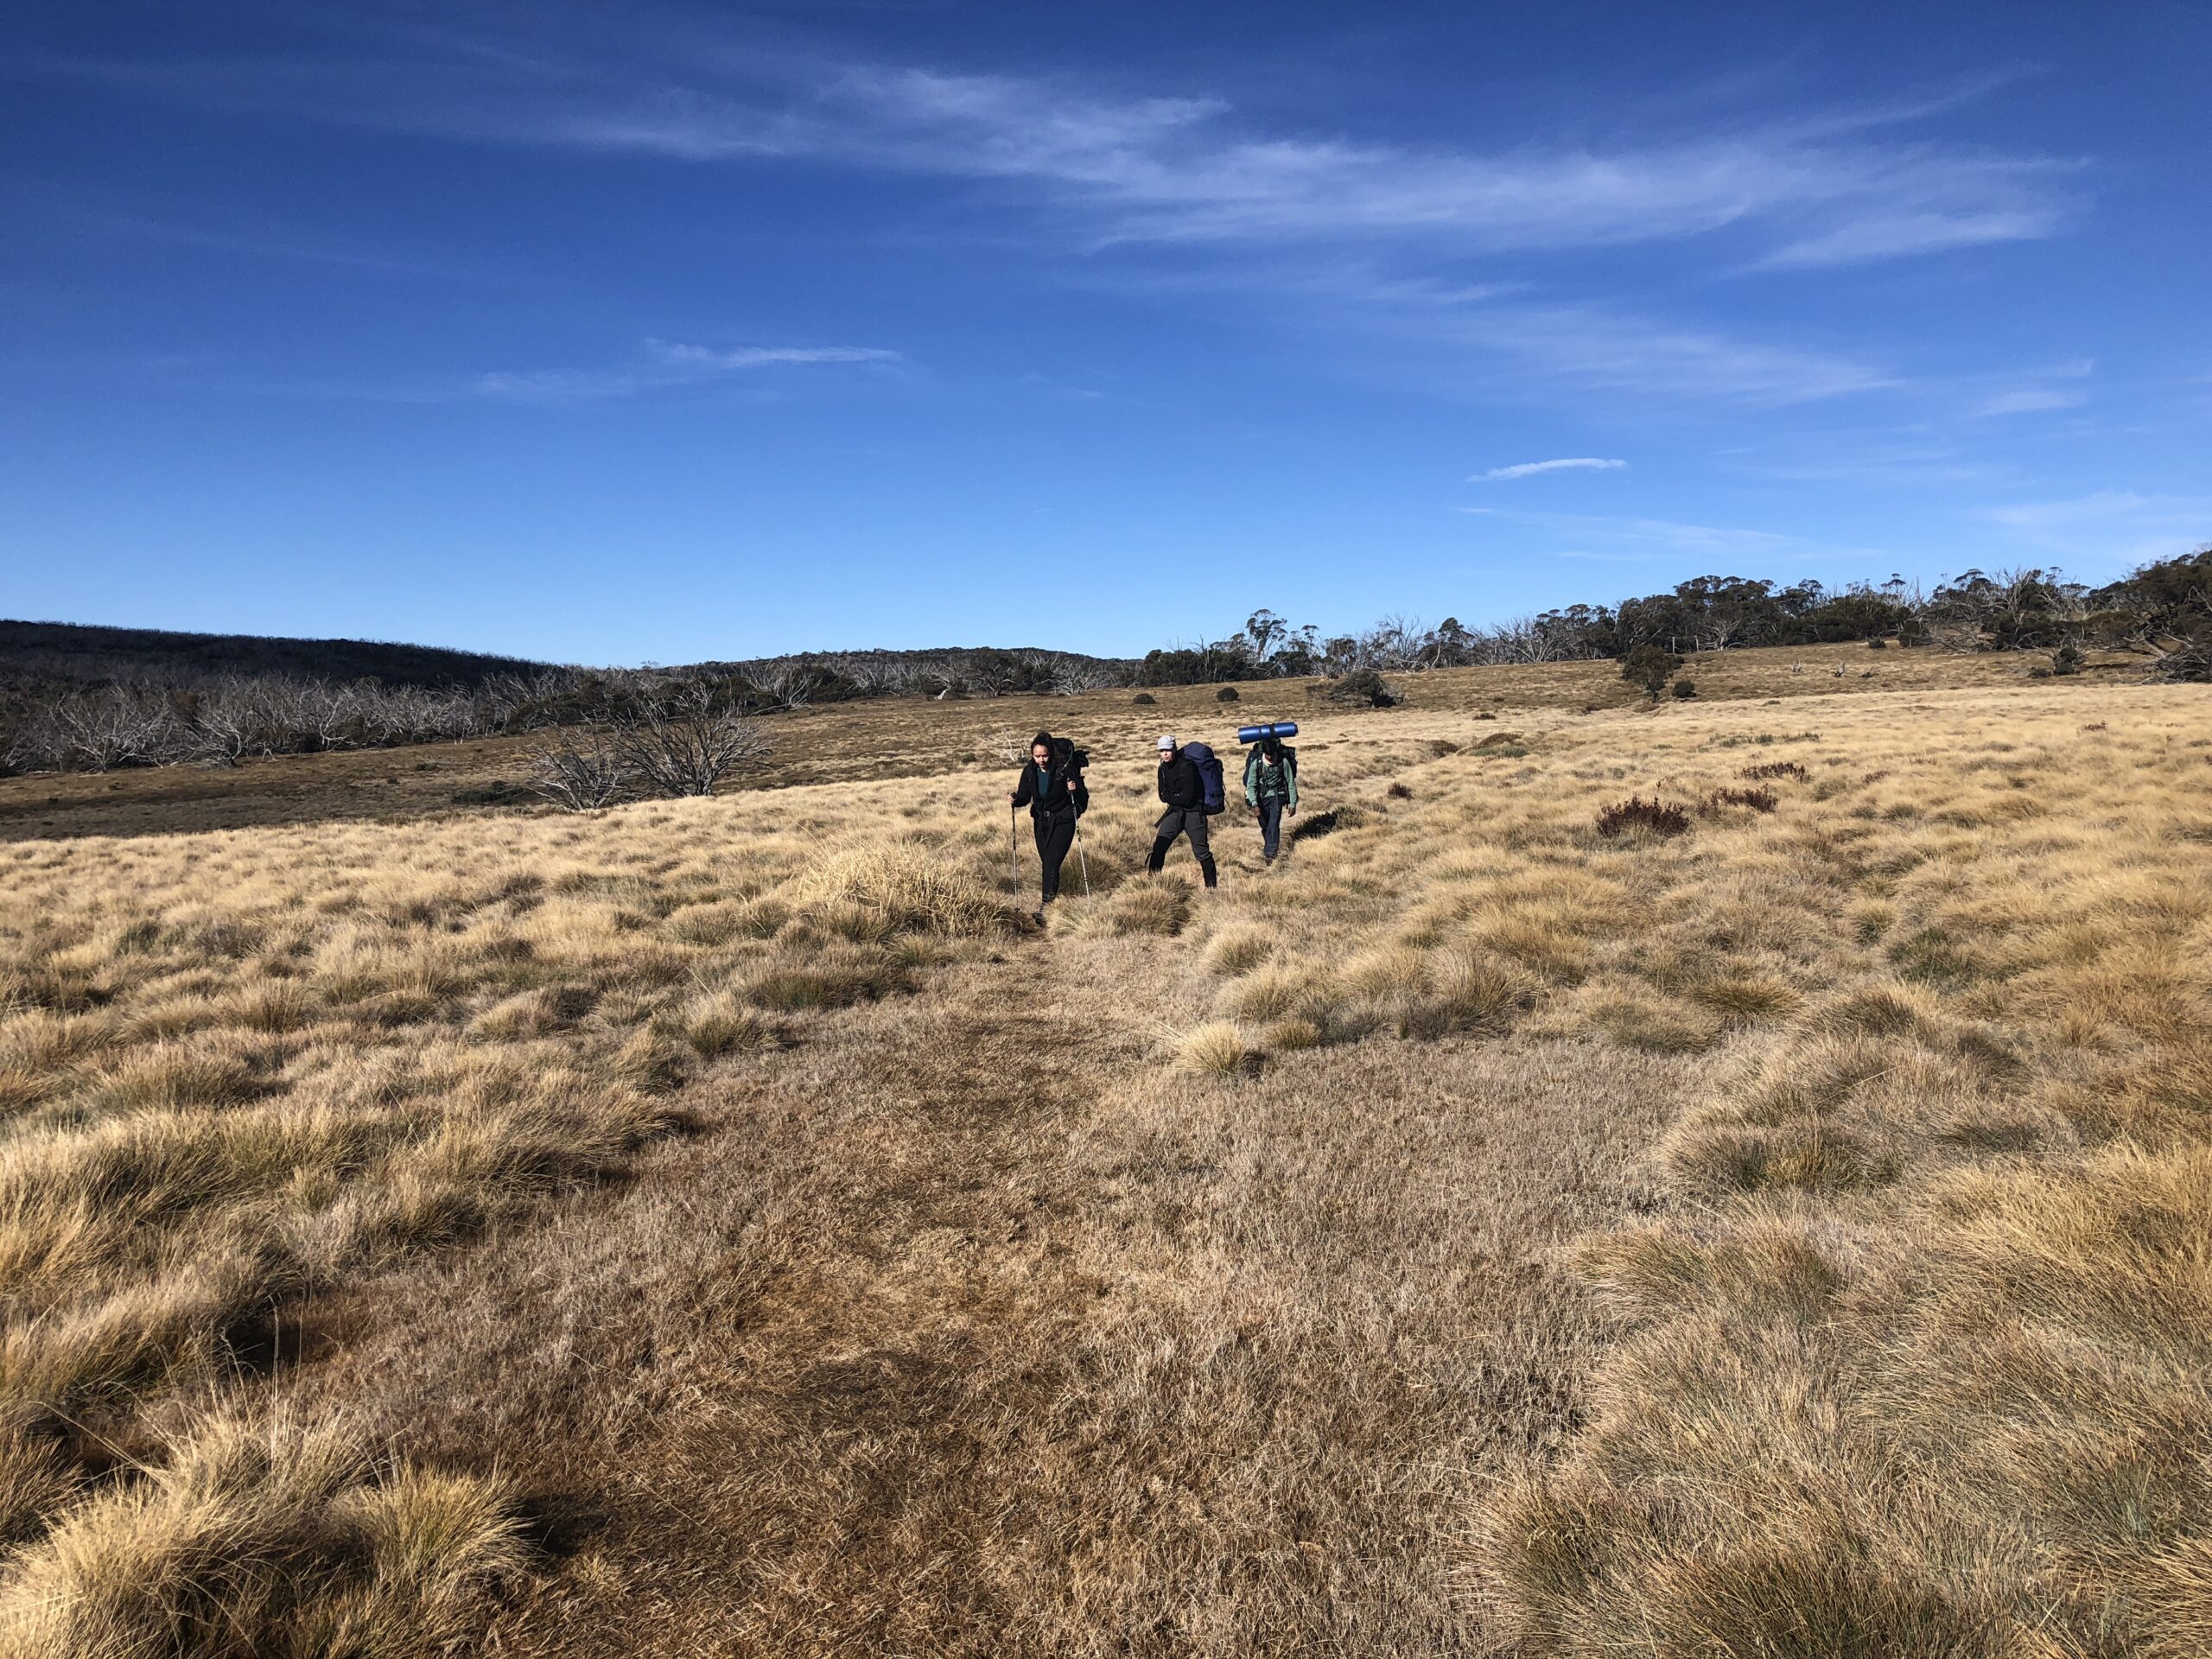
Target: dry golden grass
{"type": "Point", "coordinates": [1471, 1233]}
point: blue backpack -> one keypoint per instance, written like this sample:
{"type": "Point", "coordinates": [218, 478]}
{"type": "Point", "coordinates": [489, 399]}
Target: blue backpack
{"type": "Point", "coordinates": [1209, 766]}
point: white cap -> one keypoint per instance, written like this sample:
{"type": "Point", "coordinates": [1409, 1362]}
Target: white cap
{"type": "Point", "coordinates": [1167, 742]}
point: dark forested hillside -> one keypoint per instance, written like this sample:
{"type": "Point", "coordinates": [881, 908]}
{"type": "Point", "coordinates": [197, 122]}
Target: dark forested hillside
{"type": "Point", "coordinates": [84, 655]}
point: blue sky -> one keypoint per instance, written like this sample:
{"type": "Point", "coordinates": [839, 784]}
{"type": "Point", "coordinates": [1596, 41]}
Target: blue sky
{"type": "Point", "coordinates": [628, 333]}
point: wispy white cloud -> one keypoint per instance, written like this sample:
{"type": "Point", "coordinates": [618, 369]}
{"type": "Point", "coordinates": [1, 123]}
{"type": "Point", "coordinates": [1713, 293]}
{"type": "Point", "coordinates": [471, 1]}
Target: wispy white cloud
{"type": "Point", "coordinates": [1821, 189]}
{"type": "Point", "coordinates": [1591, 535]}
{"type": "Point", "coordinates": [2027, 400]}
{"type": "Point", "coordinates": [1597, 348]}
{"type": "Point", "coordinates": [2037, 393]}
{"type": "Point", "coordinates": [662, 364]}
{"type": "Point", "coordinates": [1530, 468]}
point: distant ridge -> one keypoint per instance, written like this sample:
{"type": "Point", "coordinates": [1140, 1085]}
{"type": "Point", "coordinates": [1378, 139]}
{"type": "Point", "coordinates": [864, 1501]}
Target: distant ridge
{"type": "Point", "coordinates": [86, 654]}
{"type": "Point", "coordinates": [80, 653]}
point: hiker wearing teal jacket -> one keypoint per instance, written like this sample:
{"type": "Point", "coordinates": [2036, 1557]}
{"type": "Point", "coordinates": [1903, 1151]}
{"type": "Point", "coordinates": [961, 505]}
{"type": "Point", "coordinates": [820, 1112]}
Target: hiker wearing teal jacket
{"type": "Point", "coordinates": [1270, 787]}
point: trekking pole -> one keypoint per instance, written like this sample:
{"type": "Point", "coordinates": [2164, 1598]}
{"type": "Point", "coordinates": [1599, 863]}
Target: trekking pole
{"type": "Point", "coordinates": [1013, 848]}
{"type": "Point", "coordinates": [1082, 863]}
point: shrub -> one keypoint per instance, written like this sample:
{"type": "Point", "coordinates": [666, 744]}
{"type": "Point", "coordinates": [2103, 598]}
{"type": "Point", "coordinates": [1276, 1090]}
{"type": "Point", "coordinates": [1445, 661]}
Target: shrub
{"type": "Point", "coordinates": [1227, 693]}
{"type": "Point", "coordinates": [1650, 667]}
{"type": "Point", "coordinates": [1399, 792]}
{"type": "Point", "coordinates": [497, 793]}
{"type": "Point", "coordinates": [1653, 817]}
{"type": "Point", "coordinates": [1363, 686]}
{"type": "Point", "coordinates": [1143, 700]}
{"type": "Point", "coordinates": [1686, 688]}
{"type": "Point", "coordinates": [1759, 800]}
{"type": "Point", "coordinates": [1878, 644]}
{"type": "Point", "coordinates": [1775, 769]}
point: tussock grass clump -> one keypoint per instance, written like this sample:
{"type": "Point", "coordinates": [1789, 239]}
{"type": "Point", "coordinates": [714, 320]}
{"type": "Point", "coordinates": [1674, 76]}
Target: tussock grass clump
{"type": "Point", "coordinates": [1238, 950]}
{"type": "Point", "coordinates": [1217, 1049]}
{"type": "Point", "coordinates": [1154, 904]}
{"type": "Point", "coordinates": [1281, 991]}
{"type": "Point", "coordinates": [834, 977]}
{"type": "Point", "coordinates": [910, 887]}
{"type": "Point", "coordinates": [263, 1539]}
{"type": "Point", "coordinates": [716, 1023]}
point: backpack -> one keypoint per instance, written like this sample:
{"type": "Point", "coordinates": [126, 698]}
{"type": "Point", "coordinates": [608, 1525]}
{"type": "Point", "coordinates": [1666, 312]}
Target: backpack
{"type": "Point", "coordinates": [1068, 759]}
{"type": "Point", "coordinates": [1289, 768]}
{"type": "Point", "coordinates": [1209, 766]}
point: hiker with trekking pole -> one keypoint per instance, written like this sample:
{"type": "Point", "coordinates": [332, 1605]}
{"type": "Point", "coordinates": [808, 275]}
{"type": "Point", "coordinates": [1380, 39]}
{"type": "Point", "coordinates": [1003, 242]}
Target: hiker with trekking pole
{"type": "Point", "coordinates": [1052, 787]}
{"type": "Point", "coordinates": [1270, 781]}
{"type": "Point", "coordinates": [1190, 788]}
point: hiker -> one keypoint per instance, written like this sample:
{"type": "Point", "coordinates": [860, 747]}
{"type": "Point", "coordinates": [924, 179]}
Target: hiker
{"type": "Point", "coordinates": [1052, 787]}
{"type": "Point", "coordinates": [1270, 787]}
{"type": "Point", "coordinates": [1182, 791]}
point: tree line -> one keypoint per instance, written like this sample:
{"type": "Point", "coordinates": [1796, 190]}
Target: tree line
{"type": "Point", "coordinates": [2161, 612]}
{"type": "Point", "coordinates": [104, 700]}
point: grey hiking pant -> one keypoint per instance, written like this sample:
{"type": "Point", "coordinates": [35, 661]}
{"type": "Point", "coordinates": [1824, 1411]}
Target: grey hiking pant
{"type": "Point", "coordinates": [1183, 821]}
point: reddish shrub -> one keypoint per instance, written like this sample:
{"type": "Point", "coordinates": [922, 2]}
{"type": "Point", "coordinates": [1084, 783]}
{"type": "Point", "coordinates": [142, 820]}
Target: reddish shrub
{"type": "Point", "coordinates": [1636, 813]}
{"type": "Point", "coordinates": [1775, 769]}
{"type": "Point", "coordinates": [1759, 800]}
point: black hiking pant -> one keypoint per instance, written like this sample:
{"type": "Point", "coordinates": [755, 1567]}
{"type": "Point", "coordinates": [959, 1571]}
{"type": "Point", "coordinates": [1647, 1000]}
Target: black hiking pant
{"type": "Point", "coordinates": [1183, 821]}
{"type": "Point", "coordinates": [1055, 834]}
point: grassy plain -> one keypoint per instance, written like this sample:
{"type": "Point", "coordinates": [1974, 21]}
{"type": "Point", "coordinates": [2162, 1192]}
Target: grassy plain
{"type": "Point", "coordinates": [718, 1226]}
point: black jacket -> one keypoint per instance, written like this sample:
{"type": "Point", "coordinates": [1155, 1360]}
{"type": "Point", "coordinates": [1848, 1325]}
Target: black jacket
{"type": "Point", "coordinates": [1180, 784]}
{"type": "Point", "coordinates": [1046, 792]}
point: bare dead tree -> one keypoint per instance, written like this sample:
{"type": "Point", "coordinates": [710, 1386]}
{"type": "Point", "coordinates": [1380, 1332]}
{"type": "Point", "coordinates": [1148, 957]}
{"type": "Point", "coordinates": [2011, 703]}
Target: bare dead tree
{"type": "Point", "coordinates": [115, 726]}
{"type": "Point", "coordinates": [229, 721]}
{"type": "Point", "coordinates": [786, 682]}
{"type": "Point", "coordinates": [688, 742]}
{"type": "Point", "coordinates": [579, 775]}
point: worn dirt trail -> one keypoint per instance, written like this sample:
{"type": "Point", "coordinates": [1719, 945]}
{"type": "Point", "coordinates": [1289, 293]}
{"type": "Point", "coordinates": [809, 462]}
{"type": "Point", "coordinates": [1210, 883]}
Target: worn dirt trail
{"type": "Point", "coordinates": [968, 1328]}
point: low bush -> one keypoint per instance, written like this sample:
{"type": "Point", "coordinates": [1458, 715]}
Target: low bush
{"type": "Point", "coordinates": [1227, 693]}
{"type": "Point", "coordinates": [1363, 687]}
{"type": "Point", "coordinates": [1649, 667]}
{"type": "Point", "coordinates": [1775, 769]}
{"type": "Point", "coordinates": [1653, 817]}
{"type": "Point", "coordinates": [1759, 800]}
{"type": "Point", "coordinates": [1399, 792]}
{"type": "Point", "coordinates": [500, 792]}
{"type": "Point", "coordinates": [1143, 700]}
{"type": "Point", "coordinates": [1685, 689]}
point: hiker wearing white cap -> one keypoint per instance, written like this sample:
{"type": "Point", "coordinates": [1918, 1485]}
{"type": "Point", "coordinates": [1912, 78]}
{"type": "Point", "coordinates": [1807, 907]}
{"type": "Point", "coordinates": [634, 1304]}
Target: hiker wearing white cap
{"type": "Point", "coordinates": [1182, 791]}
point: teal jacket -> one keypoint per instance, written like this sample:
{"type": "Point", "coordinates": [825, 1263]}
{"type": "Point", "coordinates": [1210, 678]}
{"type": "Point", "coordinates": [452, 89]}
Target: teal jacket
{"type": "Point", "coordinates": [1283, 783]}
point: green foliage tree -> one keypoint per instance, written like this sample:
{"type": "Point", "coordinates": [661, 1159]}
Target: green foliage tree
{"type": "Point", "coordinates": [1650, 667]}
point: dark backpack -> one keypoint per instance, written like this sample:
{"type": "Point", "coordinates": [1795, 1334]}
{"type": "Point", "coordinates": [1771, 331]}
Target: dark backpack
{"type": "Point", "coordinates": [1209, 766]}
{"type": "Point", "coordinates": [1289, 766]}
{"type": "Point", "coordinates": [1069, 759]}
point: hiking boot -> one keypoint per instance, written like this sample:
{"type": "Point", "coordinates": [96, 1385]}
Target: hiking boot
{"type": "Point", "coordinates": [1038, 917]}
